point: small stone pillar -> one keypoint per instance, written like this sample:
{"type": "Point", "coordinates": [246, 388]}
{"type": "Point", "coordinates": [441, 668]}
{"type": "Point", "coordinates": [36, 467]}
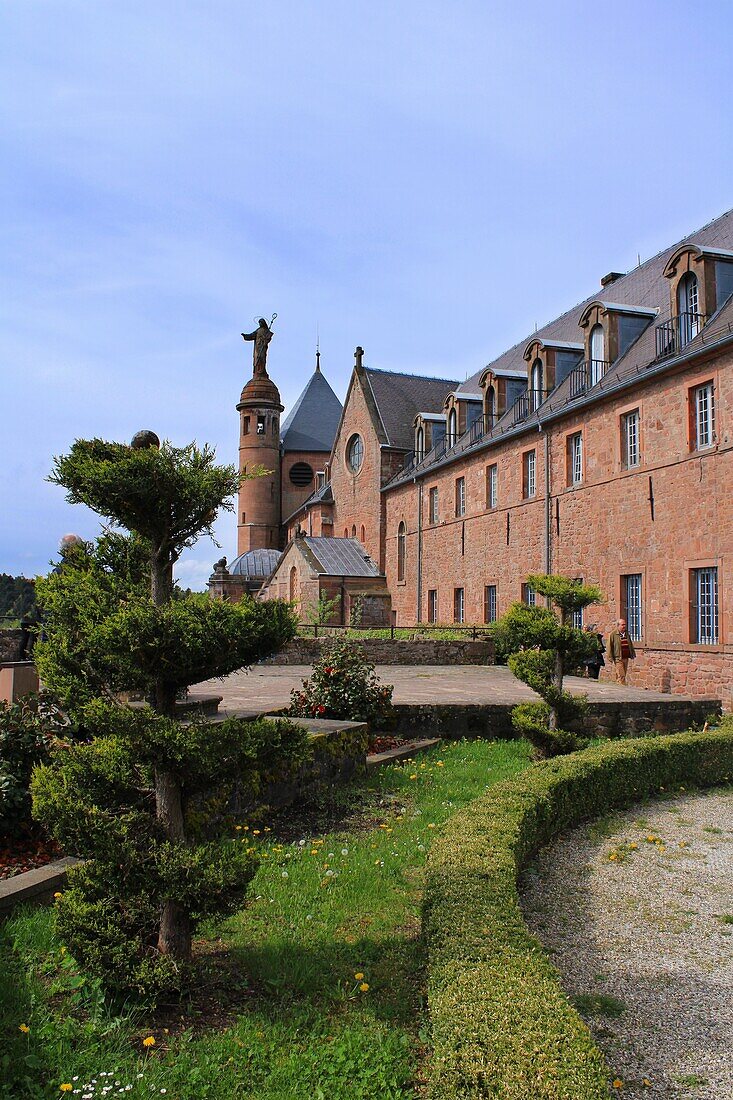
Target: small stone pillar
{"type": "Point", "coordinates": [17, 678]}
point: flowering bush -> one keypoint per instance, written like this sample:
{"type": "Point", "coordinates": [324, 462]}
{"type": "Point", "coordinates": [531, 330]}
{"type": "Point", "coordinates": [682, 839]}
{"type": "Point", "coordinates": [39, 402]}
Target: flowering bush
{"type": "Point", "coordinates": [343, 685]}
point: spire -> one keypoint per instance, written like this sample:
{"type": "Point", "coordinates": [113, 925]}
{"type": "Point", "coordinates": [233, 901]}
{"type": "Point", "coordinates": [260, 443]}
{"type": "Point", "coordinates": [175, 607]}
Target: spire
{"type": "Point", "coordinates": [318, 359]}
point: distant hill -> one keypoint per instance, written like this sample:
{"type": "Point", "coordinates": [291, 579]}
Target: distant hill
{"type": "Point", "coordinates": [17, 597]}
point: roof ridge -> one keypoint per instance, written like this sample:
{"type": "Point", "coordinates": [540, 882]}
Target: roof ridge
{"type": "Point", "coordinates": [408, 374]}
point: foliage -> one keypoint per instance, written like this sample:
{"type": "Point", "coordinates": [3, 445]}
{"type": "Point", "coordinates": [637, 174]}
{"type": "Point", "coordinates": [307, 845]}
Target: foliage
{"type": "Point", "coordinates": [98, 800]}
{"type": "Point", "coordinates": [501, 1023]}
{"type": "Point", "coordinates": [27, 731]}
{"type": "Point", "coordinates": [124, 801]}
{"type": "Point", "coordinates": [282, 1014]}
{"type": "Point", "coordinates": [17, 597]}
{"type": "Point", "coordinates": [343, 685]}
{"type": "Point", "coordinates": [319, 611]}
{"type": "Point", "coordinates": [543, 645]}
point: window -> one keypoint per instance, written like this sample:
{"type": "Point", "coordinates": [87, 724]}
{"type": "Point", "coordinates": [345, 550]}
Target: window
{"type": "Point", "coordinates": [301, 474]}
{"type": "Point", "coordinates": [363, 534]}
{"type": "Point", "coordinates": [536, 385]}
{"type": "Point", "coordinates": [244, 517]}
{"type": "Point", "coordinates": [492, 485]}
{"type": "Point", "coordinates": [260, 425]}
{"type": "Point", "coordinates": [458, 605]}
{"type": "Point", "coordinates": [433, 505]}
{"type": "Point", "coordinates": [597, 356]}
{"type": "Point", "coordinates": [353, 530]}
{"type": "Point", "coordinates": [703, 413]}
{"type": "Point", "coordinates": [529, 596]}
{"type": "Point", "coordinates": [490, 603]}
{"type": "Point", "coordinates": [460, 496]}
{"type": "Point", "coordinates": [355, 453]}
{"type": "Point", "coordinates": [578, 615]}
{"type": "Point", "coordinates": [575, 458]}
{"type": "Point", "coordinates": [490, 406]}
{"type": "Point", "coordinates": [245, 425]}
{"type": "Point", "coordinates": [419, 444]}
{"type": "Point", "coordinates": [688, 316]}
{"type": "Point", "coordinates": [630, 452]}
{"type": "Point", "coordinates": [432, 605]}
{"type": "Point", "coordinates": [401, 548]}
{"type": "Point", "coordinates": [529, 474]}
{"type": "Point", "coordinates": [452, 427]}
{"type": "Point", "coordinates": [704, 605]}
{"type": "Point", "coordinates": [631, 605]}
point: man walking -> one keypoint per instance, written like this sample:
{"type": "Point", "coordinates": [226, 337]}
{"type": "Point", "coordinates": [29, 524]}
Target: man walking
{"type": "Point", "coordinates": [621, 650]}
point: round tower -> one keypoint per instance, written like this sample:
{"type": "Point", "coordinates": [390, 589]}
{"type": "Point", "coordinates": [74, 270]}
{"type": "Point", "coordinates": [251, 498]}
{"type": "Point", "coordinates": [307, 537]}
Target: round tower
{"type": "Point", "coordinates": [259, 407]}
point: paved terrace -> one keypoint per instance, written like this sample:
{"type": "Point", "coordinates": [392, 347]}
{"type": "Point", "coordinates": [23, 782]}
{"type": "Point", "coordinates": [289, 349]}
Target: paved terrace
{"type": "Point", "coordinates": [267, 688]}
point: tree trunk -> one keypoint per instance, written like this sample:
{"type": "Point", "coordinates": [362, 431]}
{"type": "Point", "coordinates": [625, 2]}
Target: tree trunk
{"type": "Point", "coordinates": [557, 679]}
{"type": "Point", "coordinates": [174, 935]}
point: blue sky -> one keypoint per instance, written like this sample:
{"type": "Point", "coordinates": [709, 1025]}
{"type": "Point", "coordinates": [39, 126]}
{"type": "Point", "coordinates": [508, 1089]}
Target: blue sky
{"type": "Point", "coordinates": [426, 179]}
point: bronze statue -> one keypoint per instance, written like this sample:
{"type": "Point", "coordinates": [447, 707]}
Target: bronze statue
{"type": "Point", "coordinates": [261, 337]}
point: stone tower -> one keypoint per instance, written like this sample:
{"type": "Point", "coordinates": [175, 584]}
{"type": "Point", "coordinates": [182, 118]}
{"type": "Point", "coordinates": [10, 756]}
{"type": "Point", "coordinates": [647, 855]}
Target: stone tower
{"type": "Point", "coordinates": [259, 407]}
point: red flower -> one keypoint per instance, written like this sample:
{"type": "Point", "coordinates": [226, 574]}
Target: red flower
{"type": "Point", "coordinates": [328, 671]}
{"type": "Point", "coordinates": [320, 709]}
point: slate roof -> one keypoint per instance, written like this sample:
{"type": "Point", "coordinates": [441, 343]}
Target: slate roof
{"type": "Point", "coordinates": [400, 397]}
{"type": "Point", "coordinates": [313, 420]}
{"type": "Point", "coordinates": [340, 557]}
{"type": "Point", "coordinates": [255, 563]}
{"type": "Point", "coordinates": [643, 286]}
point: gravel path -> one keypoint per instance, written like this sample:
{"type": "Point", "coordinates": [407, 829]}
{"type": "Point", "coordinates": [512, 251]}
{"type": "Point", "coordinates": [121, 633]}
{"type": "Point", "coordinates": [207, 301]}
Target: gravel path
{"type": "Point", "coordinates": [636, 911]}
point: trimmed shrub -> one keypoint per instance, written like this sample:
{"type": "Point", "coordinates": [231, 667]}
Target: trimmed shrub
{"type": "Point", "coordinates": [27, 731]}
{"type": "Point", "coordinates": [502, 1026]}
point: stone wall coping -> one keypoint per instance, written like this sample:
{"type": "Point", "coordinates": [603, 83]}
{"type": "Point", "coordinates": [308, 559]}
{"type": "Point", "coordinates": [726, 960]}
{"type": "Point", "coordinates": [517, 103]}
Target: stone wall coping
{"type": "Point", "coordinates": [34, 885]}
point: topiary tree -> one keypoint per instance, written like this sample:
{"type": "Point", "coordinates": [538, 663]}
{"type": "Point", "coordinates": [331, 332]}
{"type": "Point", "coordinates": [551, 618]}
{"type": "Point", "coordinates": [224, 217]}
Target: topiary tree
{"type": "Point", "coordinates": [125, 800]}
{"type": "Point", "coordinates": [544, 645]}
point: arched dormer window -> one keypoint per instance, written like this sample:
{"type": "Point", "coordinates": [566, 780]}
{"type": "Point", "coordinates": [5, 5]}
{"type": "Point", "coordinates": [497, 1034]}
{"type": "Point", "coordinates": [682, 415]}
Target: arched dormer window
{"type": "Point", "coordinates": [401, 548]}
{"type": "Point", "coordinates": [535, 386]}
{"type": "Point", "coordinates": [597, 354]}
{"type": "Point", "coordinates": [420, 444]}
{"type": "Point", "coordinates": [452, 427]}
{"type": "Point", "coordinates": [688, 308]}
{"type": "Point", "coordinates": [490, 406]}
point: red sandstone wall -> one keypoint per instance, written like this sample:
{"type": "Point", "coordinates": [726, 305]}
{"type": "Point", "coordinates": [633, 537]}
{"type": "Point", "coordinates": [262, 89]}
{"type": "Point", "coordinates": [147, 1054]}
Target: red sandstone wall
{"type": "Point", "coordinates": [292, 495]}
{"type": "Point", "coordinates": [605, 526]}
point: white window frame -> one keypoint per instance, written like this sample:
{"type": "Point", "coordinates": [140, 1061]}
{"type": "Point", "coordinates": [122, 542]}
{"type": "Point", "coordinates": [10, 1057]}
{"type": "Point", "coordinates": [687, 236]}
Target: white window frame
{"type": "Point", "coordinates": [492, 485]}
{"type": "Point", "coordinates": [576, 458]}
{"type": "Point", "coordinates": [459, 605]}
{"type": "Point", "coordinates": [452, 427]}
{"type": "Point", "coordinates": [634, 605]}
{"type": "Point", "coordinates": [460, 497]}
{"type": "Point", "coordinates": [706, 605]}
{"type": "Point", "coordinates": [530, 459]}
{"type": "Point", "coordinates": [704, 416]}
{"type": "Point", "coordinates": [432, 605]}
{"type": "Point", "coordinates": [630, 439]}
{"type": "Point", "coordinates": [490, 603]}
{"type": "Point", "coordinates": [597, 363]}
{"type": "Point", "coordinates": [433, 501]}
{"type": "Point", "coordinates": [529, 596]}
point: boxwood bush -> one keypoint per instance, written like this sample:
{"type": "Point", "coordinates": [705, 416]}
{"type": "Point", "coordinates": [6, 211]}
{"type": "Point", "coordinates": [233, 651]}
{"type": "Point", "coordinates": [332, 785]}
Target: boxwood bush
{"type": "Point", "coordinates": [502, 1026]}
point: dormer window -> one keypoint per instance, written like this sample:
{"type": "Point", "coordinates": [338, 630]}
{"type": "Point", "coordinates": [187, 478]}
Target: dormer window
{"type": "Point", "coordinates": [689, 320]}
{"type": "Point", "coordinates": [536, 379]}
{"type": "Point", "coordinates": [597, 357]}
{"type": "Point", "coordinates": [490, 406]}
{"type": "Point", "coordinates": [452, 427]}
{"type": "Point", "coordinates": [420, 444]}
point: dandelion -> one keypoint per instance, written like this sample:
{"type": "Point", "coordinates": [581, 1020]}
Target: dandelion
{"type": "Point", "coordinates": [255, 832]}
{"type": "Point", "coordinates": [364, 987]}
{"type": "Point", "coordinates": [58, 894]}
{"type": "Point", "coordinates": [344, 851]}
{"type": "Point", "coordinates": [431, 825]}
{"type": "Point", "coordinates": [66, 1087]}
{"type": "Point", "coordinates": [359, 976]}
{"type": "Point", "coordinates": [439, 764]}
{"type": "Point", "coordinates": [633, 846]}
{"type": "Point", "coordinates": [149, 1042]}
{"type": "Point", "coordinates": [413, 777]}
{"type": "Point", "coordinates": [284, 874]}
{"type": "Point", "coordinates": [618, 1083]}
{"type": "Point", "coordinates": [24, 1028]}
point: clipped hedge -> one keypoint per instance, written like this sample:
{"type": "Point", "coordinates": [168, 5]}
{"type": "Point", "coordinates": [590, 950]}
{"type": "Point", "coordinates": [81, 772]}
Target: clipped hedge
{"type": "Point", "coordinates": [502, 1026]}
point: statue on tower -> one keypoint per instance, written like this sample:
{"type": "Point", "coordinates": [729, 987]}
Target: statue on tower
{"type": "Point", "coordinates": [261, 338]}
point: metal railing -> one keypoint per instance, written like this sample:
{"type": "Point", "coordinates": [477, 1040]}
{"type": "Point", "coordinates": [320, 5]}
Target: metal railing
{"type": "Point", "coordinates": [527, 403]}
{"type": "Point", "coordinates": [675, 334]}
{"type": "Point", "coordinates": [587, 375]}
{"type": "Point", "coordinates": [481, 427]}
{"type": "Point", "coordinates": [325, 630]}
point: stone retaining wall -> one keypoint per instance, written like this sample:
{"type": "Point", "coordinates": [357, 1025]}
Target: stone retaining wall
{"type": "Point", "coordinates": [607, 719]}
{"type": "Point", "coordinates": [397, 651]}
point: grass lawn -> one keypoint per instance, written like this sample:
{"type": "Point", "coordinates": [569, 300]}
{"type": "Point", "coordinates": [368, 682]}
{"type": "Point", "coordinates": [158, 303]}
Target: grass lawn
{"type": "Point", "coordinates": [315, 990]}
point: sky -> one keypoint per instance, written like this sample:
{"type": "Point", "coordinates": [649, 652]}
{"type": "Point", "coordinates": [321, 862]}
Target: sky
{"type": "Point", "coordinates": [429, 180]}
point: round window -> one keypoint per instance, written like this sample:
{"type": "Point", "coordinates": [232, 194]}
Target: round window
{"type": "Point", "coordinates": [355, 453]}
{"type": "Point", "coordinates": [301, 474]}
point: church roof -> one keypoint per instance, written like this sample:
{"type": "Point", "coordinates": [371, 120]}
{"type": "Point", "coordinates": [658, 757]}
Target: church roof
{"type": "Point", "coordinates": [400, 397]}
{"type": "Point", "coordinates": [340, 557]}
{"type": "Point", "coordinates": [312, 422]}
{"type": "Point", "coordinates": [255, 563]}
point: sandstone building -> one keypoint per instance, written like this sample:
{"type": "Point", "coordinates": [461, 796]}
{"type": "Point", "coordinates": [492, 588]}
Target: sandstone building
{"type": "Point", "coordinates": [598, 447]}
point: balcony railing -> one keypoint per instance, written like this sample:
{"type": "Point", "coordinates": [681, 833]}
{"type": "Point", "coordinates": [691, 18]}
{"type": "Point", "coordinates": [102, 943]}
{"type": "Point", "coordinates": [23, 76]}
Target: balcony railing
{"type": "Point", "coordinates": [527, 403]}
{"type": "Point", "coordinates": [586, 375]}
{"type": "Point", "coordinates": [480, 427]}
{"type": "Point", "coordinates": [674, 335]}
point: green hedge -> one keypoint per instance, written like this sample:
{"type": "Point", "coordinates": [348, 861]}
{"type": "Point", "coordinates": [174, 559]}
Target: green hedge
{"type": "Point", "coordinates": [502, 1026]}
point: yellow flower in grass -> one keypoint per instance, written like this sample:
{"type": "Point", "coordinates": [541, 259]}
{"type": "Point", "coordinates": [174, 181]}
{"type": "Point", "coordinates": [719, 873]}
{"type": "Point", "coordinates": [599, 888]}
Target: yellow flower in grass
{"type": "Point", "coordinates": [618, 1083]}
{"type": "Point", "coordinates": [149, 1042]}
{"type": "Point", "coordinates": [359, 976]}
{"type": "Point", "coordinates": [66, 1087]}
{"type": "Point", "coordinates": [24, 1028]}
{"type": "Point", "coordinates": [58, 894]}
{"type": "Point", "coordinates": [364, 987]}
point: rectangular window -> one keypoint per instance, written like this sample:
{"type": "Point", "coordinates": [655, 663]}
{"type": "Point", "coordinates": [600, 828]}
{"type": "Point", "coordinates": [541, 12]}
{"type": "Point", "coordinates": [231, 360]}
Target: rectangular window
{"type": "Point", "coordinates": [529, 596]}
{"type": "Point", "coordinates": [529, 474]}
{"type": "Point", "coordinates": [432, 605]}
{"type": "Point", "coordinates": [630, 452]}
{"type": "Point", "coordinates": [704, 416]}
{"type": "Point", "coordinates": [245, 425]}
{"type": "Point", "coordinates": [704, 605]}
{"type": "Point", "coordinates": [458, 606]}
{"type": "Point", "coordinates": [492, 485]}
{"type": "Point", "coordinates": [460, 496]}
{"type": "Point", "coordinates": [320, 479]}
{"type": "Point", "coordinates": [490, 603]}
{"type": "Point", "coordinates": [578, 615]}
{"type": "Point", "coordinates": [575, 458]}
{"type": "Point", "coordinates": [433, 506]}
{"type": "Point", "coordinates": [632, 605]}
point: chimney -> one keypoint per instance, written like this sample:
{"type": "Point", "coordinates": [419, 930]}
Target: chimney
{"type": "Point", "coordinates": [611, 277]}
